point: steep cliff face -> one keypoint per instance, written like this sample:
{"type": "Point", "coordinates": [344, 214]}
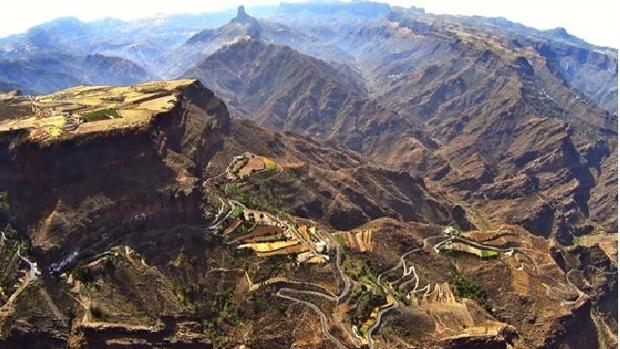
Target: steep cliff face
{"type": "Point", "coordinates": [64, 193]}
{"type": "Point", "coordinates": [592, 72]}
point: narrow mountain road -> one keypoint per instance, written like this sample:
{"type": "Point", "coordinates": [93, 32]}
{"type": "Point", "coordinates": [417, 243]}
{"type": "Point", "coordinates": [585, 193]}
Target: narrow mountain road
{"type": "Point", "coordinates": [343, 277]}
{"type": "Point", "coordinates": [455, 238]}
{"type": "Point", "coordinates": [400, 263]}
{"type": "Point", "coordinates": [322, 316]}
{"type": "Point", "coordinates": [220, 211]}
{"type": "Point", "coordinates": [392, 303]}
{"type": "Point", "coordinates": [375, 326]}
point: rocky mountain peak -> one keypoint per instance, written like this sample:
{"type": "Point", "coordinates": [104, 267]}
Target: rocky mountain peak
{"type": "Point", "coordinates": [559, 32]}
{"type": "Point", "coordinates": [251, 26]}
{"type": "Point", "coordinates": [243, 16]}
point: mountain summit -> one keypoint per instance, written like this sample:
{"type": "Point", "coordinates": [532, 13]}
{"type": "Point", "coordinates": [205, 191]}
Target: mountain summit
{"type": "Point", "coordinates": [242, 16]}
{"type": "Point", "coordinates": [249, 25]}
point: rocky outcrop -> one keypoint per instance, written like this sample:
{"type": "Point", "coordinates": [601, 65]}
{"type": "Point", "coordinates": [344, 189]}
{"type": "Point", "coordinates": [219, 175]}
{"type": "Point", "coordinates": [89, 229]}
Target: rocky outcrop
{"type": "Point", "coordinates": [64, 194]}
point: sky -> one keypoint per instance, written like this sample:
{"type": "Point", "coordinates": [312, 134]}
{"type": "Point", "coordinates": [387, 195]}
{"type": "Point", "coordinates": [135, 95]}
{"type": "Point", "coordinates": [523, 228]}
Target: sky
{"type": "Point", "coordinates": [596, 21]}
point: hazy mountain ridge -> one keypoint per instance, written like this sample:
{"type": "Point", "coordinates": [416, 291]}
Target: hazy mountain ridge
{"type": "Point", "coordinates": [591, 69]}
{"type": "Point", "coordinates": [242, 27]}
{"type": "Point", "coordinates": [51, 71]}
{"type": "Point", "coordinates": [423, 81]}
{"type": "Point", "coordinates": [311, 29]}
{"type": "Point", "coordinates": [283, 89]}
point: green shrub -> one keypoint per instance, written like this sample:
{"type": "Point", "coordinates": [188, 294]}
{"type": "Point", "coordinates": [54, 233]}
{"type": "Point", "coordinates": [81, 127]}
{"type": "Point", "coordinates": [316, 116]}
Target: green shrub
{"type": "Point", "coordinates": [361, 271]}
{"type": "Point", "coordinates": [4, 201]}
{"type": "Point", "coordinates": [340, 239]}
{"type": "Point", "coordinates": [259, 302]}
{"type": "Point", "coordinates": [85, 275]}
{"type": "Point", "coordinates": [10, 232]}
{"type": "Point", "coordinates": [365, 302]}
{"type": "Point", "coordinates": [181, 260]}
{"type": "Point", "coordinates": [226, 304]}
{"type": "Point", "coordinates": [215, 333]}
{"type": "Point", "coordinates": [466, 287]}
{"type": "Point", "coordinates": [7, 257]}
{"type": "Point", "coordinates": [103, 114]}
{"type": "Point", "coordinates": [236, 213]}
{"type": "Point", "coordinates": [231, 189]}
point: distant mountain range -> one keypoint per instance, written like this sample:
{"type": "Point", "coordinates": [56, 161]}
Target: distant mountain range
{"type": "Point", "coordinates": [166, 46]}
{"type": "Point", "coordinates": [440, 98]}
{"type": "Point", "coordinates": [50, 71]}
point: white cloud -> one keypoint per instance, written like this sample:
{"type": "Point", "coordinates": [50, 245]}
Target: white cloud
{"type": "Point", "coordinates": [594, 20]}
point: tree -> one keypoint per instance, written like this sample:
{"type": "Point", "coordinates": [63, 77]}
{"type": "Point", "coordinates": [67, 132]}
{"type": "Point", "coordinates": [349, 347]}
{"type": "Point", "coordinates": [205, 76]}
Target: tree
{"type": "Point", "coordinates": [4, 201]}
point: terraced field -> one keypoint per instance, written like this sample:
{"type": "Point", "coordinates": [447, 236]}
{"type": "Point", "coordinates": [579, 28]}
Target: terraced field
{"type": "Point", "coordinates": [365, 297]}
{"type": "Point", "coordinates": [93, 109]}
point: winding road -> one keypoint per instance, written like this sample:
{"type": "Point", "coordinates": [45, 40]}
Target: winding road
{"type": "Point", "coordinates": [322, 316]}
{"type": "Point", "coordinates": [377, 323]}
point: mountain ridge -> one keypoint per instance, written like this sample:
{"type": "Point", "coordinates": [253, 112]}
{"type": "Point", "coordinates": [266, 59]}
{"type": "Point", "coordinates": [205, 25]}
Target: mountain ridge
{"type": "Point", "coordinates": [448, 147]}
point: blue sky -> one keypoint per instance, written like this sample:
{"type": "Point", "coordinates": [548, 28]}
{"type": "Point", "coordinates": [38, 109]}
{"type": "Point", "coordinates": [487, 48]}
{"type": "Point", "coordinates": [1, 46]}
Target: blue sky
{"type": "Point", "coordinates": [597, 21]}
